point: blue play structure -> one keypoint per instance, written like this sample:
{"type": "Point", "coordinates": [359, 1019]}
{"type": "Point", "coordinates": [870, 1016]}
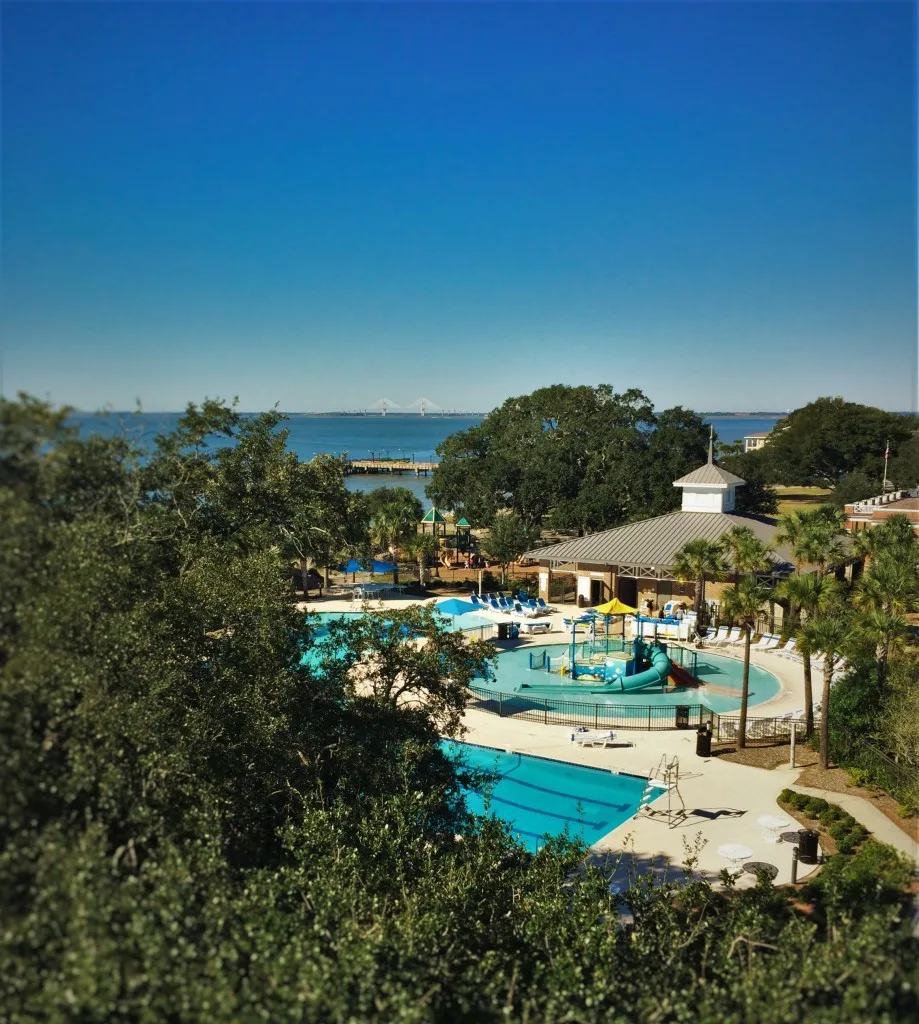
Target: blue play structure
{"type": "Point", "coordinates": [622, 675]}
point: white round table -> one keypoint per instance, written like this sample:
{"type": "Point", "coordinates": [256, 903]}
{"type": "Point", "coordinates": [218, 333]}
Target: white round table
{"type": "Point", "coordinates": [773, 823]}
{"type": "Point", "coordinates": [734, 852]}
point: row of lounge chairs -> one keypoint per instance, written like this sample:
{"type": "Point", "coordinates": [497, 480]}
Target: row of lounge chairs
{"type": "Point", "coordinates": [770, 643]}
{"type": "Point", "coordinates": [528, 607]}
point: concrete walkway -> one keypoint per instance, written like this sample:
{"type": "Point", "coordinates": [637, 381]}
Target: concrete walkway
{"type": "Point", "coordinates": [871, 817]}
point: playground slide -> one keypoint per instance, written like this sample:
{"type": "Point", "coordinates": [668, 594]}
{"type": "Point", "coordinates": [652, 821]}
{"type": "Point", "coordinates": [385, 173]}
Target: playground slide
{"type": "Point", "coordinates": [680, 677]}
{"type": "Point", "coordinates": [657, 675]}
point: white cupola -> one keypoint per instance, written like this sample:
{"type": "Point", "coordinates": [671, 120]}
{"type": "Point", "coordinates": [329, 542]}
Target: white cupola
{"type": "Point", "coordinates": [709, 488]}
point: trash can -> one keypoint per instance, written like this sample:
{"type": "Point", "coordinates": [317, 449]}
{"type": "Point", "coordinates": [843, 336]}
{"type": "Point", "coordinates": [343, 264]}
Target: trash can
{"type": "Point", "coordinates": [503, 628]}
{"type": "Point", "coordinates": [682, 716]}
{"type": "Point", "coordinates": [704, 740]}
{"type": "Point", "coordinates": [513, 631]}
{"type": "Point", "coordinates": [808, 847]}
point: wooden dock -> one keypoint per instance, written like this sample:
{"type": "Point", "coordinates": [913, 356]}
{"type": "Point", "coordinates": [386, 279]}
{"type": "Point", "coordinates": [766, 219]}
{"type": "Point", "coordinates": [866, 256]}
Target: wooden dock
{"type": "Point", "coordinates": [398, 466]}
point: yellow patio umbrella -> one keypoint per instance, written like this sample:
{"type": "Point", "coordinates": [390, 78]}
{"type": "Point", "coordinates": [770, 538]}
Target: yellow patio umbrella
{"type": "Point", "coordinates": [614, 607]}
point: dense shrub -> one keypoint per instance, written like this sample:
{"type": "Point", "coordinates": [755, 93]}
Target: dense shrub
{"type": "Point", "coordinates": [815, 806]}
{"type": "Point", "coordinates": [877, 873]}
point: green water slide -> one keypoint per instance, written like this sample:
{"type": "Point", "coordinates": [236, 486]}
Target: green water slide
{"type": "Point", "coordinates": [654, 676]}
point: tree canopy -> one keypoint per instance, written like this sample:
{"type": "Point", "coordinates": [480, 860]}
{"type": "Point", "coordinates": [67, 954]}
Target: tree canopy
{"type": "Point", "coordinates": [213, 811]}
{"type": "Point", "coordinates": [586, 458]}
{"type": "Point", "coordinates": [823, 441]}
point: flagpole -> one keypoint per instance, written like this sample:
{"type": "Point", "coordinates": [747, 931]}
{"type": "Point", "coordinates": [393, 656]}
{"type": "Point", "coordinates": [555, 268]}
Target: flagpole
{"type": "Point", "coordinates": [886, 458]}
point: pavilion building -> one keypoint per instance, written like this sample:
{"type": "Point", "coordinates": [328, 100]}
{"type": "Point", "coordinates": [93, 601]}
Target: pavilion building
{"type": "Point", "coordinates": [635, 562]}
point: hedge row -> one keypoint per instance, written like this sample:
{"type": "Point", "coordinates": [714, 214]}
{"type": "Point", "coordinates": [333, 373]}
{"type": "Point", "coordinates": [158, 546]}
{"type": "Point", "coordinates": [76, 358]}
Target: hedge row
{"type": "Point", "coordinates": [845, 831]}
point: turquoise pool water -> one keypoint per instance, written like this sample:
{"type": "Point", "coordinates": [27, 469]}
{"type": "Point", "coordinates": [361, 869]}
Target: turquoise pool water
{"type": "Point", "coordinates": [470, 621]}
{"type": "Point", "coordinates": [537, 796]}
{"type": "Point", "coordinates": [723, 695]}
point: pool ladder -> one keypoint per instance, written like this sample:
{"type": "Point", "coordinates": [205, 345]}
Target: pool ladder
{"type": "Point", "coordinates": [664, 778]}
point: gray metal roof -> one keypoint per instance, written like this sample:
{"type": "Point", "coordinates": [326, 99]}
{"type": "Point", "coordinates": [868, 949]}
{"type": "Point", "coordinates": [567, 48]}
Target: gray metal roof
{"type": "Point", "coordinates": [656, 541]}
{"type": "Point", "coordinates": [712, 475]}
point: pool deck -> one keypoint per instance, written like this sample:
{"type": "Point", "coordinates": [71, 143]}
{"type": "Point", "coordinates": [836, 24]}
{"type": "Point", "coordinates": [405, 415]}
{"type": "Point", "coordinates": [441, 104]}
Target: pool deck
{"type": "Point", "coordinates": [723, 799]}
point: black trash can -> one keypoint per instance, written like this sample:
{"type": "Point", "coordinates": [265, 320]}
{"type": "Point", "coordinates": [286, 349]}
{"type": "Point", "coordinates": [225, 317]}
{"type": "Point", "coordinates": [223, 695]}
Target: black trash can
{"type": "Point", "coordinates": [704, 740]}
{"type": "Point", "coordinates": [682, 716]}
{"type": "Point", "coordinates": [808, 847]}
{"type": "Point", "coordinates": [503, 628]}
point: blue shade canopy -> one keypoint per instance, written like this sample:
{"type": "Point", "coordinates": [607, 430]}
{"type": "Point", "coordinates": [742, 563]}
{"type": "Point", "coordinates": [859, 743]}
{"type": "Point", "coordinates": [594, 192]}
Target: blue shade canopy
{"type": "Point", "coordinates": [351, 566]}
{"type": "Point", "coordinates": [377, 566]}
{"type": "Point", "coordinates": [454, 606]}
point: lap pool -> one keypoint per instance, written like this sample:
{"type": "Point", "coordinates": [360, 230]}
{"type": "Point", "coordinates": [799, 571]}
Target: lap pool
{"type": "Point", "coordinates": [723, 678]}
{"type": "Point", "coordinates": [537, 796]}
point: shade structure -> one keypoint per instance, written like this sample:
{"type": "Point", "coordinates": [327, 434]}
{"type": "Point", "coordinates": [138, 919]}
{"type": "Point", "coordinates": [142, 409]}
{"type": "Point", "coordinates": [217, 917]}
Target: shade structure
{"type": "Point", "coordinates": [351, 566]}
{"type": "Point", "coordinates": [453, 606]}
{"type": "Point", "coordinates": [615, 607]}
{"type": "Point", "coordinates": [381, 567]}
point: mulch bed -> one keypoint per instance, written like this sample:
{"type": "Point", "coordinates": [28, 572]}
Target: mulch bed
{"type": "Point", "coordinates": [766, 757]}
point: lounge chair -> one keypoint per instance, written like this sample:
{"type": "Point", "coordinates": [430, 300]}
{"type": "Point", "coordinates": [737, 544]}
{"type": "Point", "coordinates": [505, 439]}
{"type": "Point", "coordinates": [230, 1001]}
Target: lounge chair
{"type": "Point", "coordinates": [545, 607]}
{"type": "Point", "coordinates": [527, 611]}
{"type": "Point", "coordinates": [720, 635]}
{"type": "Point", "coordinates": [592, 738]}
{"type": "Point", "coordinates": [786, 648]}
{"type": "Point", "coordinates": [766, 642]}
{"type": "Point", "coordinates": [736, 641]}
{"type": "Point", "coordinates": [731, 638]}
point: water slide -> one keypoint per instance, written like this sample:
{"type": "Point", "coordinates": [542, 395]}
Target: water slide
{"type": "Point", "coordinates": [656, 675]}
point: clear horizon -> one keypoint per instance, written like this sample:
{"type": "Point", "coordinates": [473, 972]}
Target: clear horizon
{"type": "Point", "coordinates": [317, 206]}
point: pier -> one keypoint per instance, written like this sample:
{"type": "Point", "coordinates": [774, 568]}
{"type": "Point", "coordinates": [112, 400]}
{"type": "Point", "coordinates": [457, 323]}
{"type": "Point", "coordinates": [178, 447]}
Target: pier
{"type": "Point", "coordinates": [399, 466]}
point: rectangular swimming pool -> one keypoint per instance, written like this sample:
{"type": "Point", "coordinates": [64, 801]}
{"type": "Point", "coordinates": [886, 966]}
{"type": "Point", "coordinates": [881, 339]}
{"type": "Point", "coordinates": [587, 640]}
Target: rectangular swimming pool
{"type": "Point", "coordinates": [537, 796]}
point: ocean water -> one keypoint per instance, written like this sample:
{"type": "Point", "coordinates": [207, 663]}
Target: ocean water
{"type": "Point", "coordinates": [365, 437]}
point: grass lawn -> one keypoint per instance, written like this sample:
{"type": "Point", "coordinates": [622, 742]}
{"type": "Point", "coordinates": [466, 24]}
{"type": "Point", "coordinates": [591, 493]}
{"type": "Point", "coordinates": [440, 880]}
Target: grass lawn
{"type": "Point", "coordinates": [796, 499]}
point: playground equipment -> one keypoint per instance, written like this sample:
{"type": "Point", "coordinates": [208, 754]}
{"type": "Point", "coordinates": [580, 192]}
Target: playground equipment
{"type": "Point", "coordinates": [664, 779]}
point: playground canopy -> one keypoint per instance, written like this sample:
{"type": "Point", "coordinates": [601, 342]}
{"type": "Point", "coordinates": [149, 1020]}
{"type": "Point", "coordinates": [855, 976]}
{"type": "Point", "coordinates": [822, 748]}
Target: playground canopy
{"type": "Point", "coordinates": [615, 607]}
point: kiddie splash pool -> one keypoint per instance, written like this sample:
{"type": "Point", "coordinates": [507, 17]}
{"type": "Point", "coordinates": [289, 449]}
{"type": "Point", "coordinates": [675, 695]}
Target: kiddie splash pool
{"type": "Point", "coordinates": [722, 678]}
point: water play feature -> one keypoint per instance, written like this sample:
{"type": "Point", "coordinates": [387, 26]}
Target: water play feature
{"type": "Point", "coordinates": [537, 673]}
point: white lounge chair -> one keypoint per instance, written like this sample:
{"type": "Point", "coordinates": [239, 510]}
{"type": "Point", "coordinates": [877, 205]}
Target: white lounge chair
{"type": "Point", "coordinates": [767, 642]}
{"type": "Point", "coordinates": [719, 636]}
{"type": "Point", "coordinates": [731, 638]}
{"type": "Point", "coordinates": [786, 648]}
{"type": "Point", "coordinates": [736, 642]}
{"type": "Point", "coordinates": [592, 738]}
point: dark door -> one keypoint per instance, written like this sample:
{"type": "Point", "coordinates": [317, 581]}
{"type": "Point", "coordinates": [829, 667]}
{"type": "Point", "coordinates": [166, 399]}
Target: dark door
{"type": "Point", "coordinates": [596, 592]}
{"type": "Point", "coordinates": [628, 591]}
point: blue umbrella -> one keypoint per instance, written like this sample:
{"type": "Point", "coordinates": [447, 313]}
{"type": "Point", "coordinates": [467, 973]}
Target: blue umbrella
{"type": "Point", "coordinates": [381, 567]}
{"type": "Point", "coordinates": [455, 607]}
{"type": "Point", "coordinates": [352, 566]}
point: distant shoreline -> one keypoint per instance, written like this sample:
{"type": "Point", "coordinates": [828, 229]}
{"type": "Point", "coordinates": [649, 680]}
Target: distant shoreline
{"type": "Point", "coordinates": [371, 414]}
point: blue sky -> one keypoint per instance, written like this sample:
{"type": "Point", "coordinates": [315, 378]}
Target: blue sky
{"type": "Point", "coordinates": [318, 205]}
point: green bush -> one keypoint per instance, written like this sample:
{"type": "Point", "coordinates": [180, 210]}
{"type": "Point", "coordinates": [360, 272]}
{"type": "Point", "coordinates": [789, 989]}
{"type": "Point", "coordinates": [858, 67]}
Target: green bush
{"type": "Point", "coordinates": [830, 815]}
{"type": "Point", "coordinates": [877, 873]}
{"type": "Point", "coordinates": [814, 806]}
{"type": "Point", "coordinates": [859, 777]}
{"type": "Point", "coordinates": [789, 797]}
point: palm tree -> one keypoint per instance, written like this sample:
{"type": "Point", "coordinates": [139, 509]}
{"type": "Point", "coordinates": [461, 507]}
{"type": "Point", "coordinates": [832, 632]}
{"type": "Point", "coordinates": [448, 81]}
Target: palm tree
{"type": "Point", "coordinates": [743, 603]}
{"type": "Point", "coordinates": [885, 631]}
{"type": "Point", "coordinates": [890, 584]}
{"type": "Point", "coordinates": [391, 524]}
{"type": "Point", "coordinates": [421, 547]}
{"type": "Point", "coordinates": [815, 537]}
{"type": "Point", "coordinates": [698, 561]}
{"type": "Point", "coordinates": [829, 634]}
{"type": "Point", "coordinates": [806, 594]}
{"type": "Point", "coordinates": [743, 550]}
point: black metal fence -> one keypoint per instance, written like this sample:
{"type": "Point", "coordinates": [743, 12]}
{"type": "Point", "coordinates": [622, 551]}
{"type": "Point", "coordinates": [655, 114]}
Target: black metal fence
{"type": "Point", "coordinates": [901, 781]}
{"type": "Point", "coordinates": [761, 732]}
